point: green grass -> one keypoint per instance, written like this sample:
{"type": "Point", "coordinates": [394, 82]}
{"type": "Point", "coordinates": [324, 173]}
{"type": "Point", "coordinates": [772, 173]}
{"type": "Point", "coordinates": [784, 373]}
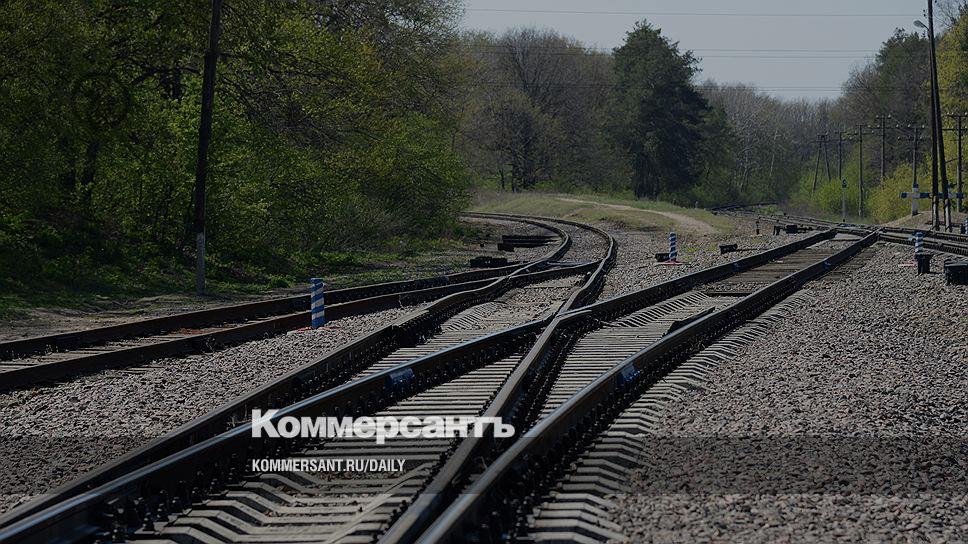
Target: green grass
{"type": "Point", "coordinates": [111, 290]}
{"type": "Point", "coordinates": [597, 208]}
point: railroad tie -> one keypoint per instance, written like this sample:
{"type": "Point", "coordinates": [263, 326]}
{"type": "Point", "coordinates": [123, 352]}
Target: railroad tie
{"type": "Point", "coordinates": [576, 510]}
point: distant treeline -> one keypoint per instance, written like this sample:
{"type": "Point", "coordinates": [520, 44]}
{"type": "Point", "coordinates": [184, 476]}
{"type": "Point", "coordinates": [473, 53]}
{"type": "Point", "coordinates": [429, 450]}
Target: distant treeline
{"type": "Point", "coordinates": [548, 112]}
{"type": "Point", "coordinates": [895, 83]}
{"type": "Point", "coordinates": [545, 111]}
{"type": "Point", "coordinates": [344, 125]}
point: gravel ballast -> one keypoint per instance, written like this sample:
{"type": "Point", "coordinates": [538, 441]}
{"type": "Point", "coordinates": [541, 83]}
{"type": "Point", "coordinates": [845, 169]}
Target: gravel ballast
{"type": "Point", "coordinates": [636, 268]}
{"type": "Point", "coordinates": [846, 423]}
{"type": "Point", "coordinates": [51, 434]}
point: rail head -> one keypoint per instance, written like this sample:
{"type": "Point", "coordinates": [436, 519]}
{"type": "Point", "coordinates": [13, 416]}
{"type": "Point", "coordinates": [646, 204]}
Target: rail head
{"type": "Point", "coordinates": [473, 510]}
{"type": "Point", "coordinates": [508, 404]}
{"type": "Point", "coordinates": [304, 378]}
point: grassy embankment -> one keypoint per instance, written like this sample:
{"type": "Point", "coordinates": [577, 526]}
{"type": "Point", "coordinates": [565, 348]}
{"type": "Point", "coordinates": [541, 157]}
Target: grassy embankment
{"type": "Point", "coordinates": [157, 289]}
{"type": "Point", "coordinates": [627, 212]}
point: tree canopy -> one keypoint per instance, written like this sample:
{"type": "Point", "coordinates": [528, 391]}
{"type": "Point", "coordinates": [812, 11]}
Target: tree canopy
{"type": "Point", "coordinates": [333, 130]}
{"type": "Point", "coordinates": [660, 118]}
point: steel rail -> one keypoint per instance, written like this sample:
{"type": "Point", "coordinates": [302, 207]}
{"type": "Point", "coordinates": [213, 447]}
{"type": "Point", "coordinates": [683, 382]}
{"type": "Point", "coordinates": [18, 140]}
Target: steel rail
{"type": "Point", "coordinates": [941, 235]}
{"type": "Point", "coordinates": [54, 517]}
{"type": "Point", "coordinates": [511, 402]}
{"type": "Point", "coordinates": [490, 509]}
{"type": "Point", "coordinates": [239, 312]}
{"type": "Point", "coordinates": [367, 298]}
{"type": "Point", "coordinates": [944, 242]}
{"type": "Point", "coordinates": [72, 510]}
{"type": "Point", "coordinates": [177, 478]}
{"type": "Point", "coordinates": [131, 356]}
{"type": "Point", "coordinates": [194, 343]}
{"type": "Point", "coordinates": [329, 370]}
{"type": "Point", "coordinates": [942, 246]}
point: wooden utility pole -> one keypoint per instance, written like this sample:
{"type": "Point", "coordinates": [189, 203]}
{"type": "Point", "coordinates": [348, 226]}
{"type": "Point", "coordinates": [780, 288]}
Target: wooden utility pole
{"type": "Point", "coordinates": [882, 126]}
{"type": "Point", "coordinates": [826, 156]}
{"type": "Point", "coordinates": [204, 138]}
{"type": "Point", "coordinates": [840, 175]}
{"type": "Point", "coordinates": [821, 150]}
{"type": "Point", "coordinates": [816, 169]}
{"type": "Point", "coordinates": [776, 133]}
{"type": "Point", "coordinates": [960, 194]}
{"type": "Point", "coordinates": [937, 135]}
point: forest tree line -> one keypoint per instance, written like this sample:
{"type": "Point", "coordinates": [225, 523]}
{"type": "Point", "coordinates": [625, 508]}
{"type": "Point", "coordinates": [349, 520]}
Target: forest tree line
{"type": "Point", "coordinates": [333, 127]}
{"type": "Point", "coordinates": [547, 112]}
{"type": "Point", "coordinates": [346, 125]}
{"type": "Point", "coordinates": [893, 90]}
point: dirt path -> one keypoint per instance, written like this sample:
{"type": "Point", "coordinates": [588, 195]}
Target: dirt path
{"type": "Point", "coordinates": [689, 223]}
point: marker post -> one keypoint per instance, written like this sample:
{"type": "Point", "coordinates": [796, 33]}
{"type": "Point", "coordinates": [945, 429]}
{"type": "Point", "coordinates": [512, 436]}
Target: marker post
{"type": "Point", "coordinates": [317, 303]}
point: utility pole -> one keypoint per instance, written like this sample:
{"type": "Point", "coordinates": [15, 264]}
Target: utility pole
{"type": "Point", "coordinates": [882, 126]}
{"type": "Point", "coordinates": [859, 138]}
{"type": "Point", "coordinates": [860, 199]}
{"type": "Point", "coordinates": [935, 220]}
{"type": "Point", "coordinates": [915, 193]}
{"type": "Point", "coordinates": [840, 176]}
{"type": "Point", "coordinates": [937, 136]}
{"type": "Point", "coordinates": [776, 133]}
{"type": "Point", "coordinates": [959, 118]}
{"type": "Point", "coordinates": [816, 169]}
{"type": "Point", "coordinates": [826, 156]}
{"type": "Point", "coordinates": [204, 138]}
{"type": "Point", "coordinates": [914, 163]}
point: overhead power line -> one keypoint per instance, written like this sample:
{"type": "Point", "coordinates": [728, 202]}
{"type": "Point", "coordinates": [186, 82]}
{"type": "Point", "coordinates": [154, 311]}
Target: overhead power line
{"type": "Point", "coordinates": [714, 49]}
{"type": "Point", "coordinates": [726, 87]}
{"type": "Point", "coordinates": [704, 53]}
{"type": "Point", "coordinates": [693, 14]}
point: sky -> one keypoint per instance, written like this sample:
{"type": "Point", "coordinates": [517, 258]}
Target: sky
{"type": "Point", "coordinates": [787, 48]}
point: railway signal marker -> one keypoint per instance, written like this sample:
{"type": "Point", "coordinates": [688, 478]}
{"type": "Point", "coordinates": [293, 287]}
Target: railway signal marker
{"type": "Point", "coordinates": [673, 251]}
{"type": "Point", "coordinates": [918, 238]}
{"type": "Point", "coordinates": [914, 196]}
{"type": "Point", "coordinates": [317, 303]}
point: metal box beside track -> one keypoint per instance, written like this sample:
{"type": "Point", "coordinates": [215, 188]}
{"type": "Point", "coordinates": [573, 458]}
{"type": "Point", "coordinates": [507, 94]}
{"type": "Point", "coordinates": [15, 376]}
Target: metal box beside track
{"type": "Point", "coordinates": [956, 272]}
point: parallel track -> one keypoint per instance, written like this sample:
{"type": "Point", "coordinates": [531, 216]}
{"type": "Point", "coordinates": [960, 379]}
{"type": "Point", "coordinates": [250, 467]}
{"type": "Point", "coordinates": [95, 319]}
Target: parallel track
{"type": "Point", "coordinates": [943, 242]}
{"type": "Point", "coordinates": [205, 493]}
{"type": "Point", "coordinates": [551, 484]}
{"type": "Point", "coordinates": [58, 356]}
{"type": "Point", "coordinates": [455, 324]}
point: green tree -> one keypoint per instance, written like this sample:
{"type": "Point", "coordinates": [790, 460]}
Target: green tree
{"type": "Point", "coordinates": [333, 131]}
{"type": "Point", "coordinates": [536, 109]}
{"type": "Point", "coordinates": [659, 115]}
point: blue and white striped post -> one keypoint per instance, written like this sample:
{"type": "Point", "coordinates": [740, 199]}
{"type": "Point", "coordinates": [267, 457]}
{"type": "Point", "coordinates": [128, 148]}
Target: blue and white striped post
{"type": "Point", "coordinates": [672, 247]}
{"type": "Point", "coordinates": [966, 225]}
{"type": "Point", "coordinates": [317, 304]}
{"type": "Point", "coordinates": [918, 242]}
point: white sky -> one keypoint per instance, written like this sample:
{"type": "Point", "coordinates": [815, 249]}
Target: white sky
{"type": "Point", "coordinates": [788, 48]}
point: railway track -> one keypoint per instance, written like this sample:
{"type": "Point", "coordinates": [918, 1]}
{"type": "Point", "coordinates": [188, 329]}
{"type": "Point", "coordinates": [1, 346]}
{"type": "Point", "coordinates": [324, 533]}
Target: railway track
{"type": "Point", "coordinates": [553, 483]}
{"type": "Point", "coordinates": [461, 321]}
{"type": "Point", "coordinates": [943, 242]}
{"type": "Point", "coordinates": [58, 356]}
{"type": "Point", "coordinates": [555, 377]}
